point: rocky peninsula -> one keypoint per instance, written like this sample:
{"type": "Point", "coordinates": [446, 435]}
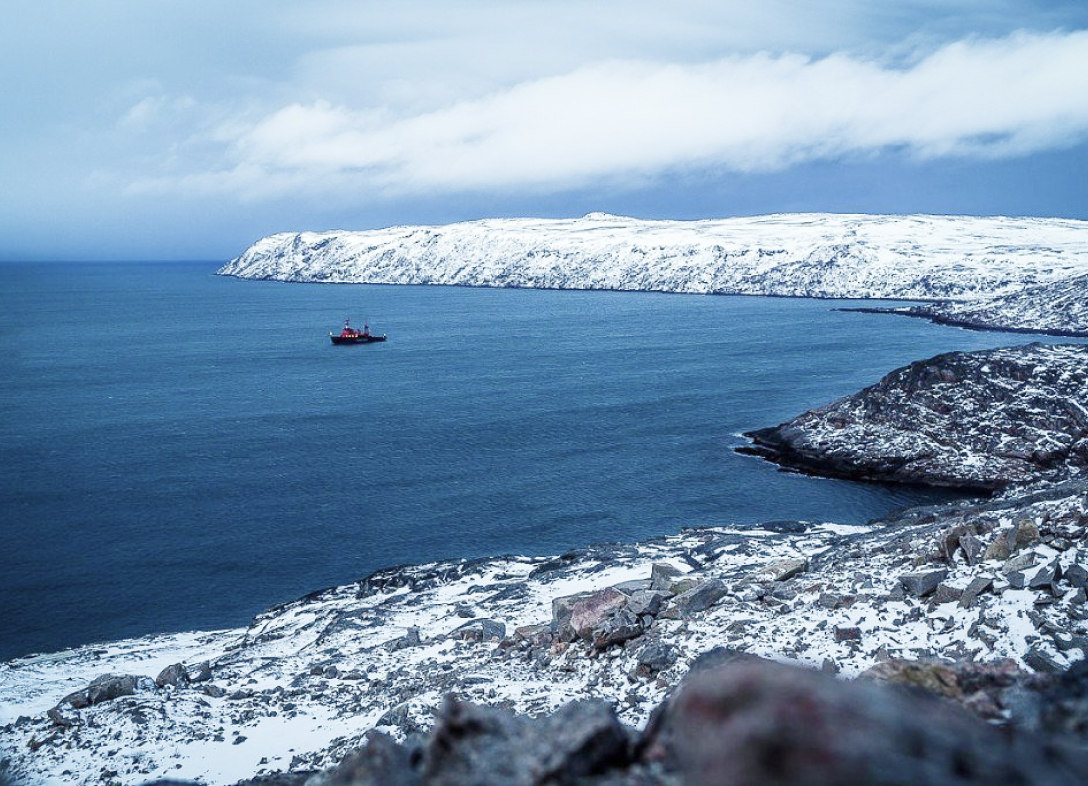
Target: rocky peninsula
{"type": "Point", "coordinates": [1057, 309]}
{"type": "Point", "coordinates": [981, 420]}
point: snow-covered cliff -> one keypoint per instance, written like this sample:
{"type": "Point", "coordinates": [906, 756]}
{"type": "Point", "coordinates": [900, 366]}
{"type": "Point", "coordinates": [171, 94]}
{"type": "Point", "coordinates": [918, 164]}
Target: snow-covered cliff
{"type": "Point", "coordinates": [810, 255]}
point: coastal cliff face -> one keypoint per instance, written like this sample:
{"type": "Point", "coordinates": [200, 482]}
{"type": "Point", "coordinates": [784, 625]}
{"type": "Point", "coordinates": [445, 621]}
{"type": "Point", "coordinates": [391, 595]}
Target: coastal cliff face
{"type": "Point", "coordinates": [804, 255]}
{"type": "Point", "coordinates": [981, 420]}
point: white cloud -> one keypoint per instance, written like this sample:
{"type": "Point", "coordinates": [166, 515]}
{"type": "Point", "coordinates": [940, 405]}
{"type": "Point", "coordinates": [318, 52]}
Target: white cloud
{"type": "Point", "coordinates": [618, 119]}
{"type": "Point", "coordinates": [155, 110]}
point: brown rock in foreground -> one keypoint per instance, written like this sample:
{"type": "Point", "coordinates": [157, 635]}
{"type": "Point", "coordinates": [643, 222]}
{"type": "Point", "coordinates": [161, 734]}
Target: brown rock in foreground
{"type": "Point", "coordinates": [771, 724]}
{"type": "Point", "coordinates": [746, 722]}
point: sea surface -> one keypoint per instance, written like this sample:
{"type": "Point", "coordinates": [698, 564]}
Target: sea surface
{"type": "Point", "coordinates": [180, 450]}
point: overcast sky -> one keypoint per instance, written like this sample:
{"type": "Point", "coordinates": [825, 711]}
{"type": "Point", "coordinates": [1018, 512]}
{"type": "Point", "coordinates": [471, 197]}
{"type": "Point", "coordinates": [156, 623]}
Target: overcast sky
{"type": "Point", "coordinates": [189, 129]}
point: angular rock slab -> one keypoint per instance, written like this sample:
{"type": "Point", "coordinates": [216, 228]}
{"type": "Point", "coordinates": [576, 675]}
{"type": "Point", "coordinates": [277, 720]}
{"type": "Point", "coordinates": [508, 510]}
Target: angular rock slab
{"type": "Point", "coordinates": [922, 583]}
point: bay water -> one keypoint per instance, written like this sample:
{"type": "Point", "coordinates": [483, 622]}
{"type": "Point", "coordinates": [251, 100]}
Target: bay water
{"type": "Point", "coordinates": [180, 450]}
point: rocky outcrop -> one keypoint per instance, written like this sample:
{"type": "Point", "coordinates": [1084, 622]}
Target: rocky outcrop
{"type": "Point", "coordinates": [1058, 309]}
{"type": "Point", "coordinates": [980, 420]}
{"type": "Point", "coordinates": [104, 688]}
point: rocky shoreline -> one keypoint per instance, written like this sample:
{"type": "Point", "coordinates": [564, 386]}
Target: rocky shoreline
{"type": "Point", "coordinates": [978, 421]}
{"type": "Point", "coordinates": [649, 663]}
{"type": "Point", "coordinates": [983, 603]}
{"type": "Point", "coordinates": [1056, 309]}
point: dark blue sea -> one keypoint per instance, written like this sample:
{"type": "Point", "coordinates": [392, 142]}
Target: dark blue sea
{"type": "Point", "coordinates": [180, 450]}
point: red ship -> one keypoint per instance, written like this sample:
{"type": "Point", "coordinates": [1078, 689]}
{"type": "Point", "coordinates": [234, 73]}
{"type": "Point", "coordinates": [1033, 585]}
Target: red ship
{"type": "Point", "coordinates": [350, 335]}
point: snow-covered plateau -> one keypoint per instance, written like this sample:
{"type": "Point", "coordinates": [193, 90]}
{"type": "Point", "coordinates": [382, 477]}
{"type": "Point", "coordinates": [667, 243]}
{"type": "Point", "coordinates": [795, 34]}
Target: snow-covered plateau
{"type": "Point", "coordinates": [916, 257]}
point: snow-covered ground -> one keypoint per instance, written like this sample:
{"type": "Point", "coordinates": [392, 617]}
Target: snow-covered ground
{"type": "Point", "coordinates": [300, 686]}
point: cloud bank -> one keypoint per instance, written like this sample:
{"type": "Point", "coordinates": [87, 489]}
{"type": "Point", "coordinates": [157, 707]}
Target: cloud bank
{"type": "Point", "coordinates": [629, 120]}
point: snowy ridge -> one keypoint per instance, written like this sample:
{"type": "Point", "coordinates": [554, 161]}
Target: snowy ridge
{"type": "Point", "coordinates": [809, 255]}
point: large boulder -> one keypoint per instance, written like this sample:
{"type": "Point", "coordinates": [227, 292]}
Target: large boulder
{"type": "Point", "coordinates": [699, 598]}
{"type": "Point", "coordinates": [764, 723]}
{"type": "Point", "coordinates": [104, 688]}
{"type": "Point", "coordinates": [588, 613]}
{"type": "Point", "coordinates": [923, 582]}
{"type": "Point", "coordinates": [481, 745]}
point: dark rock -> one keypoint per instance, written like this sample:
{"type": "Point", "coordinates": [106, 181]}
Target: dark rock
{"type": "Point", "coordinates": [923, 583]}
{"type": "Point", "coordinates": [1065, 703]}
{"type": "Point", "coordinates": [104, 688]}
{"type": "Point", "coordinates": [699, 598]}
{"type": "Point", "coordinates": [656, 657]}
{"type": "Point", "coordinates": [915, 425]}
{"type": "Point", "coordinates": [662, 576]}
{"type": "Point", "coordinates": [720, 657]}
{"type": "Point", "coordinates": [513, 592]}
{"type": "Point", "coordinates": [782, 570]}
{"type": "Point", "coordinates": [975, 588]}
{"type": "Point", "coordinates": [1045, 576]}
{"type": "Point", "coordinates": [1039, 660]}
{"type": "Point", "coordinates": [562, 608]}
{"type": "Point", "coordinates": [847, 633]}
{"type": "Point", "coordinates": [617, 628]}
{"type": "Point", "coordinates": [479, 631]}
{"type": "Point", "coordinates": [947, 593]}
{"type": "Point", "coordinates": [590, 612]}
{"type": "Point", "coordinates": [400, 717]}
{"type": "Point", "coordinates": [212, 690]}
{"type": "Point", "coordinates": [647, 602]}
{"type": "Point", "coordinates": [973, 548]}
{"type": "Point", "coordinates": [481, 745]}
{"type": "Point", "coordinates": [1019, 563]}
{"type": "Point", "coordinates": [770, 724]}
{"type": "Point", "coordinates": [201, 672]}
{"type": "Point", "coordinates": [785, 527]}
{"type": "Point", "coordinates": [382, 762]}
{"type": "Point", "coordinates": [1077, 575]}
{"type": "Point", "coordinates": [171, 676]}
